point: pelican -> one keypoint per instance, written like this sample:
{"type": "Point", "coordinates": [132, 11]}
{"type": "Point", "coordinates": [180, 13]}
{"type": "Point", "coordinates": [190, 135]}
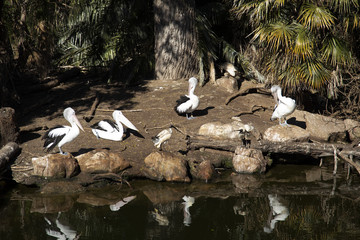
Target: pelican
{"type": "Point", "coordinates": [188, 103]}
{"type": "Point", "coordinates": [110, 130]}
{"type": "Point", "coordinates": [162, 137]}
{"type": "Point", "coordinates": [228, 68]}
{"type": "Point", "coordinates": [61, 135]}
{"type": "Point", "coordinates": [284, 106]}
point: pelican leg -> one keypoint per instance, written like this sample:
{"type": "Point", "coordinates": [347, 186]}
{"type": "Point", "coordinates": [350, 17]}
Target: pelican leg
{"type": "Point", "coordinates": [285, 123]}
{"type": "Point", "coordinates": [191, 117]}
{"type": "Point", "coordinates": [61, 152]}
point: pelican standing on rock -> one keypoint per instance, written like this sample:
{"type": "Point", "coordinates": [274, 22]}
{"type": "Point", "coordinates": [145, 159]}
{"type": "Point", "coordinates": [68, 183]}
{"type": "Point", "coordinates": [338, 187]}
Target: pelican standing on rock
{"type": "Point", "coordinates": [60, 135]}
{"type": "Point", "coordinates": [162, 137]}
{"type": "Point", "coordinates": [188, 103]}
{"type": "Point", "coordinates": [284, 106]}
{"type": "Point", "coordinates": [110, 130]}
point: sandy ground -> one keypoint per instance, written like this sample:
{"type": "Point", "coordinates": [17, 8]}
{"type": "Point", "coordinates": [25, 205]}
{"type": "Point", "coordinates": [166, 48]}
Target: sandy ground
{"type": "Point", "coordinates": [149, 106]}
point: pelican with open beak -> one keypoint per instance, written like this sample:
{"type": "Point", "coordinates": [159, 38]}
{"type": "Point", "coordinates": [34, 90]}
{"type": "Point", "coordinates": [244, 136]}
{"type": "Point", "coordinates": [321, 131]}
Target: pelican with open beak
{"type": "Point", "coordinates": [110, 130]}
{"type": "Point", "coordinates": [61, 135]}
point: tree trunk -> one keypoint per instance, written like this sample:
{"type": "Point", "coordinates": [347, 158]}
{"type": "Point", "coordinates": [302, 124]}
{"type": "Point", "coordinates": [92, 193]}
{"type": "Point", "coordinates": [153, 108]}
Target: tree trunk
{"type": "Point", "coordinates": [8, 129]}
{"type": "Point", "coordinates": [176, 39]}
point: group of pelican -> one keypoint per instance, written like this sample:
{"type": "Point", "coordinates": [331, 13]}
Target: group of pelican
{"type": "Point", "coordinates": [114, 130]}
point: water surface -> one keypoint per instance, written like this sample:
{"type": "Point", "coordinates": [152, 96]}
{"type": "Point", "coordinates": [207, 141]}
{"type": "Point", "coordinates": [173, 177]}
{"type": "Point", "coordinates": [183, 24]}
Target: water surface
{"type": "Point", "coordinates": [288, 202]}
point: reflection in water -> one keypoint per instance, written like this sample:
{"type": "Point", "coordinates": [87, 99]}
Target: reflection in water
{"type": "Point", "coordinates": [279, 212]}
{"type": "Point", "coordinates": [60, 231]}
{"type": "Point", "coordinates": [119, 204]}
{"type": "Point", "coordinates": [159, 217]}
{"type": "Point", "coordinates": [189, 201]}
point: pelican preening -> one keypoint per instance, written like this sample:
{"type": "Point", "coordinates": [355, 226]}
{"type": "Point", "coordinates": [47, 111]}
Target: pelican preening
{"type": "Point", "coordinates": [228, 68]}
{"type": "Point", "coordinates": [110, 130]}
{"type": "Point", "coordinates": [284, 106]}
{"type": "Point", "coordinates": [188, 103]}
{"type": "Point", "coordinates": [162, 137]}
{"type": "Point", "coordinates": [61, 135]}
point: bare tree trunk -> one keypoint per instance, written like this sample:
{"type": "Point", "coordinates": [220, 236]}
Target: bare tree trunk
{"type": "Point", "coordinates": [176, 39]}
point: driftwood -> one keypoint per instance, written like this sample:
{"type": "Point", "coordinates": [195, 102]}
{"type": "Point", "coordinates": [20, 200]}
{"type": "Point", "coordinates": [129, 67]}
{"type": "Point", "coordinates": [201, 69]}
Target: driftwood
{"type": "Point", "coordinates": [7, 153]}
{"type": "Point", "coordinates": [260, 88]}
{"type": "Point", "coordinates": [315, 150]}
{"type": "Point", "coordinates": [91, 113]}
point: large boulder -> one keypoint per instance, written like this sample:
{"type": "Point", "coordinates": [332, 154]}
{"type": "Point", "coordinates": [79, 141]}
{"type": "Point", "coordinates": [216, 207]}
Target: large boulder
{"type": "Point", "coordinates": [289, 133]}
{"type": "Point", "coordinates": [55, 166]}
{"type": "Point", "coordinates": [322, 128]}
{"type": "Point", "coordinates": [165, 166]}
{"type": "Point", "coordinates": [247, 160]}
{"type": "Point", "coordinates": [353, 128]}
{"type": "Point", "coordinates": [233, 130]}
{"type": "Point", "coordinates": [102, 161]}
{"type": "Point", "coordinates": [229, 83]}
{"type": "Point", "coordinates": [203, 170]}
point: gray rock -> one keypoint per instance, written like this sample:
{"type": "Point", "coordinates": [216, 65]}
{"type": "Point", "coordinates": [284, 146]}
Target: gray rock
{"type": "Point", "coordinates": [289, 133]}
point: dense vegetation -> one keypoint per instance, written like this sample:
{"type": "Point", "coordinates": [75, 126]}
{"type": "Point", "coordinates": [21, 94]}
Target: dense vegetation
{"type": "Point", "coordinates": [308, 47]}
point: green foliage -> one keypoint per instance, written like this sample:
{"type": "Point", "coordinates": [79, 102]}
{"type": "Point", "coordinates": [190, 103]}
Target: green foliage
{"type": "Point", "coordinates": [304, 41]}
{"type": "Point", "coordinates": [108, 33]}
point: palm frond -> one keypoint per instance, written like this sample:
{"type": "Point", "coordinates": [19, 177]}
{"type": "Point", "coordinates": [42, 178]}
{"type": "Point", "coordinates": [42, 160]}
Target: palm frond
{"type": "Point", "coordinates": [304, 44]}
{"type": "Point", "coordinates": [316, 17]}
{"type": "Point", "coordinates": [335, 52]}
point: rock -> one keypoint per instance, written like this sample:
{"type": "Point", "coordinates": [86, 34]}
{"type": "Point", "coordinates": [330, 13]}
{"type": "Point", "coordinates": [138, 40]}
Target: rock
{"type": "Point", "coordinates": [61, 187]}
{"type": "Point", "coordinates": [289, 133]}
{"type": "Point", "coordinates": [55, 166]}
{"type": "Point", "coordinates": [247, 160]}
{"type": "Point", "coordinates": [204, 170]}
{"type": "Point", "coordinates": [162, 166]}
{"type": "Point", "coordinates": [234, 130]}
{"type": "Point", "coordinates": [229, 83]}
{"type": "Point", "coordinates": [322, 128]}
{"type": "Point", "coordinates": [102, 161]}
{"type": "Point", "coordinates": [353, 128]}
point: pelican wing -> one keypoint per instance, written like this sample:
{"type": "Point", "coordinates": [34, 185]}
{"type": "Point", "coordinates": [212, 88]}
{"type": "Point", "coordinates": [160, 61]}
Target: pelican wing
{"type": "Point", "coordinates": [106, 125]}
{"type": "Point", "coordinates": [54, 135]}
{"type": "Point", "coordinates": [183, 104]}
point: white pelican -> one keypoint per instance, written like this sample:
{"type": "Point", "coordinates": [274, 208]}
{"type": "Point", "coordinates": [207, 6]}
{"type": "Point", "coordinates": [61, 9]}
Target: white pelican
{"type": "Point", "coordinates": [162, 137]}
{"type": "Point", "coordinates": [60, 135]}
{"type": "Point", "coordinates": [228, 68]}
{"type": "Point", "coordinates": [284, 106]}
{"type": "Point", "coordinates": [188, 103]}
{"type": "Point", "coordinates": [110, 130]}
{"type": "Point", "coordinates": [279, 212]}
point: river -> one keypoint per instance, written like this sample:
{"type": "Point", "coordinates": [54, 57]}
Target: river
{"type": "Point", "coordinates": [287, 202]}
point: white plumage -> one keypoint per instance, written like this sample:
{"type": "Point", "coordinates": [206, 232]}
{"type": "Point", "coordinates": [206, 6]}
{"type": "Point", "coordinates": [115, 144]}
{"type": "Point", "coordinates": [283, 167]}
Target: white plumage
{"type": "Point", "coordinates": [188, 103]}
{"type": "Point", "coordinates": [162, 137]}
{"type": "Point", "coordinates": [61, 135]}
{"type": "Point", "coordinates": [111, 130]}
{"type": "Point", "coordinates": [284, 105]}
{"type": "Point", "coordinates": [228, 68]}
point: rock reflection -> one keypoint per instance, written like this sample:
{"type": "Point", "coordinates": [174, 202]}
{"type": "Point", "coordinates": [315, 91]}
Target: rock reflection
{"type": "Point", "coordinates": [59, 230]}
{"type": "Point", "coordinates": [52, 204]}
{"type": "Point", "coordinates": [188, 202]}
{"type": "Point", "coordinates": [279, 212]}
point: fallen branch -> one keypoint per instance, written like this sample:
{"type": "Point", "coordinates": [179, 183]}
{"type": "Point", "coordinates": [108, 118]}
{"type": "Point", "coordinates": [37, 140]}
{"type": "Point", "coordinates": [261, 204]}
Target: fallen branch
{"type": "Point", "coordinates": [246, 90]}
{"type": "Point", "coordinates": [252, 110]}
{"type": "Point", "coordinates": [316, 150]}
{"type": "Point", "coordinates": [7, 153]}
{"type": "Point", "coordinates": [91, 113]}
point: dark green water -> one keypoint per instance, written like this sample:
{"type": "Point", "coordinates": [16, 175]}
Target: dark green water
{"type": "Point", "coordinates": [288, 202]}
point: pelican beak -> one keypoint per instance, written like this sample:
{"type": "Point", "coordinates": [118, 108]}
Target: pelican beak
{"type": "Point", "coordinates": [275, 97]}
{"type": "Point", "coordinates": [76, 120]}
